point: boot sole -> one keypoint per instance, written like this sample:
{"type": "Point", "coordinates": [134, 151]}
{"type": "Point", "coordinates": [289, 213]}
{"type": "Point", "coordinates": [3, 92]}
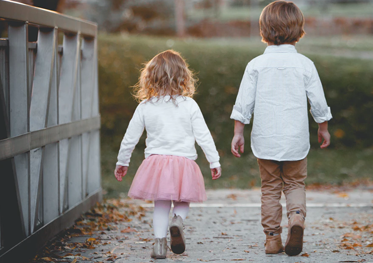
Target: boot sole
{"type": "Point", "coordinates": [295, 243]}
{"type": "Point", "coordinates": [158, 257]}
{"type": "Point", "coordinates": [177, 242]}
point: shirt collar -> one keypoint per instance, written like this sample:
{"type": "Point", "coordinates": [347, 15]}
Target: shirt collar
{"type": "Point", "coordinates": [166, 98]}
{"type": "Point", "coordinates": [285, 48]}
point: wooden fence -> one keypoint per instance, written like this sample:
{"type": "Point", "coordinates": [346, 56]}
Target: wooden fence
{"type": "Point", "coordinates": [49, 127]}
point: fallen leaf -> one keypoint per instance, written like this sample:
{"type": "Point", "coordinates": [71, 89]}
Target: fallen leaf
{"type": "Point", "coordinates": [305, 255]}
{"type": "Point", "coordinates": [370, 245]}
{"type": "Point", "coordinates": [47, 259]}
{"type": "Point", "coordinates": [128, 229]}
{"type": "Point", "coordinates": [347, 245]}
{"type": "Point", "coordinates": [91, 239]}
{"type": "Point", "coordinates": [343, 195]}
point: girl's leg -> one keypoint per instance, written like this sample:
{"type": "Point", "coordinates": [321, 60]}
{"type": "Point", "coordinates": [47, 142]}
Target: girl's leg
{"type": "Point", "coordinates": [181, 209]}
{"type": "Point", "coordinates": [160, 217]}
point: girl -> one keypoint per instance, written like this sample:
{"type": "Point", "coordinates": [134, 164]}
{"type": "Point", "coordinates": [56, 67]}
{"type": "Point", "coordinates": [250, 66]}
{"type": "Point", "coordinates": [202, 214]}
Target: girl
{"type": "Point", "coordinates": [173, 122]}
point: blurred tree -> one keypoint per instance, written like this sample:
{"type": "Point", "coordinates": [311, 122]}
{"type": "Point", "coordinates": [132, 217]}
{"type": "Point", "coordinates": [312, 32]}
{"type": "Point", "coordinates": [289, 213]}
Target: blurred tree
{"type": "Point", "coordinates": [180, 17]}
{"type": "Point", "coordinates": [149, 16]}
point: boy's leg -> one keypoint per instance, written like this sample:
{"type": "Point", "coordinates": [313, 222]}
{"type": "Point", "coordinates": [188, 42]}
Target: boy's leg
{"type": "Point", "coordinates": [270, 173]}
{"type": "Point", "coordinates": [294, 175]}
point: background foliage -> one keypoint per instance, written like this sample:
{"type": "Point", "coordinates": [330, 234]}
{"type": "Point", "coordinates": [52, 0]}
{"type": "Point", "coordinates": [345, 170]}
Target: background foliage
{"type": "Point", "coordinates": [219, 66]}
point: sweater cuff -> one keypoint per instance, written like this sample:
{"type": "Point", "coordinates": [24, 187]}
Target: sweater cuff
{"type": "Point", "coordinates": [214, 165]}
{"type": "Point", "coordinates": [122, 164]}
{"type": "Point", "coordinates": [236, 115]}
{"type": "Point", "coordinates": [320, 119]}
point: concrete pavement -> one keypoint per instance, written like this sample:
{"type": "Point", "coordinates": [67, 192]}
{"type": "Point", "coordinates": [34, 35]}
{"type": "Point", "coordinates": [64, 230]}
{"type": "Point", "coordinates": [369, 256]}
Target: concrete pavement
{"type": "Point", "coordinates": [227, 228]}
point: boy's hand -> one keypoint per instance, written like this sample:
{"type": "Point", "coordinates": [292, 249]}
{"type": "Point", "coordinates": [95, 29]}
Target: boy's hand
{"type": "Point", "coordinates": [120, 172]}
{"type": "Point", "coordinates": [216, 172]}
{"type": "Point", "coordinates": [323, 133]}
{"type": "Point", "coordinates": [238, 142]}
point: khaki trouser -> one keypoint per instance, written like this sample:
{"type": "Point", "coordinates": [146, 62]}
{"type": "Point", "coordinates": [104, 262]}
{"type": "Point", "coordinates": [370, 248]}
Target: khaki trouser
{"type": "Point", "coordinates": [287, 176]}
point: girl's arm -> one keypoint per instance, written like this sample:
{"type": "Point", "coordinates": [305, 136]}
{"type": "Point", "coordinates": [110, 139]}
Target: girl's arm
{"type": "Point", "coordinates": [203, 137]}
{"type": "Point", "coordinates": [131, 138]}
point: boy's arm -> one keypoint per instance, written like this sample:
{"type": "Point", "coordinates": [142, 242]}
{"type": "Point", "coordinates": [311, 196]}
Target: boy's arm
{"type": "Point", "coordinates": [323, 133]}
{"type": "Point", "coordinates": [315, 93]}
{"type": "Point", "coordinates": [245, 101]}
{"type": "Point", "coordinates": [238, 140]}
{"type": "Point", "coordinates": [319, 108]}
{"type": "Point", "coordinates": [131, 138]}
{"type": "Point", "coordinates": [243, 108]}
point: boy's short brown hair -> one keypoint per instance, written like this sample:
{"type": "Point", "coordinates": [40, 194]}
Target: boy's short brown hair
{"type": "Point", "coordinates": [281, 22]}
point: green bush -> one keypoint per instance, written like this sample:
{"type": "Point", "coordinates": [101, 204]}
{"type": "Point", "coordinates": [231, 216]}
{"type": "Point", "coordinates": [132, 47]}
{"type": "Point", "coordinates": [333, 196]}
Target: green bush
{"type": "Point", "coordinates": [219, 67]}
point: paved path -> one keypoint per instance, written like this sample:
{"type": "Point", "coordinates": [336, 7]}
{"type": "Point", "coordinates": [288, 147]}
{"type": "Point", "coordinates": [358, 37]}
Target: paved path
{"type": "Point", "coordinates": [225, 228]}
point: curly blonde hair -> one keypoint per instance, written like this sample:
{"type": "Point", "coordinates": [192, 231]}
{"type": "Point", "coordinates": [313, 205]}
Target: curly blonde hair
{"type": "Point", "coordinates": [165, 74]}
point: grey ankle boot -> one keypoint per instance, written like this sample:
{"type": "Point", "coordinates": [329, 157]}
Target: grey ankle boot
{"type": "Point", "coordinates": [177, 235]}
{"type": "Point", "coordinates": [160, 248]}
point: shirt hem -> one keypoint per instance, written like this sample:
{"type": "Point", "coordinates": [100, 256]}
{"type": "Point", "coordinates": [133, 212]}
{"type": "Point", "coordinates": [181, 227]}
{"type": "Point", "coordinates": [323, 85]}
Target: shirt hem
{"type": "Point", "coordinates": [281, 159]}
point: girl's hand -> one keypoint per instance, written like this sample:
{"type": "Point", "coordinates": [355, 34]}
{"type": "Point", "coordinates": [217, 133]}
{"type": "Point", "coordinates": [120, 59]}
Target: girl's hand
{"type": "Point", "coordinates": [216, 172]}
{"type": "Point", "coordinates": [120, 171]}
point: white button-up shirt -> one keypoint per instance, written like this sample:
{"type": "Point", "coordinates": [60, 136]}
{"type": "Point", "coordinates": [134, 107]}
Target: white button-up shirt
{"type": "Point", "coordinates": [172, 129]}
{"type": "Point", "coordinates": [275, 88]}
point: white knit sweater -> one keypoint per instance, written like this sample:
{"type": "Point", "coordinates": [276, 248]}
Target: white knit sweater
{"type": "Point", "coordinates": [172, 129]}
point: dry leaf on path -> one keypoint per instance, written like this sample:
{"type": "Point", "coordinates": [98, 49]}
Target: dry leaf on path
{"type": "Point", "coordinates": [343, 195]}
{"type": "Point", "coordinates": [128, 229]}
{"type": "Point", "coordinates": [232, 196]}
{"type": "Point", "coordinates": [305, 255]}
{"type": "Point", "coordinates": [47, 259]}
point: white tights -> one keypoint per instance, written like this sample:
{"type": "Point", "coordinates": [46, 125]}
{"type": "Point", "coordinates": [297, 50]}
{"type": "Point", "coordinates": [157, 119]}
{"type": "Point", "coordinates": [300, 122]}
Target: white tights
{"type": "Point", "coordinates": [161, 215]}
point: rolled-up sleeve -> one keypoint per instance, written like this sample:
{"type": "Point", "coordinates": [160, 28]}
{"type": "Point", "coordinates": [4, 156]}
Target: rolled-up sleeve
{"type": "Point", "coordinates": [316, 97]}
{"type": "Point", "coordinates": [245, 101]}
{"type": "Point", "coordinates": [131, 138]}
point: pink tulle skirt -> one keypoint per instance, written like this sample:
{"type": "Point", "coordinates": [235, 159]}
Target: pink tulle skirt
{"type": "Point", "coordinates": [168, 177]}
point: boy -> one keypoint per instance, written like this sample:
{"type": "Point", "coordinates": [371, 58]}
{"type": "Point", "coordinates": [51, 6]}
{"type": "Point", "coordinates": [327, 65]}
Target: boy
{"type": "Point", "coordinates": [275, 87]}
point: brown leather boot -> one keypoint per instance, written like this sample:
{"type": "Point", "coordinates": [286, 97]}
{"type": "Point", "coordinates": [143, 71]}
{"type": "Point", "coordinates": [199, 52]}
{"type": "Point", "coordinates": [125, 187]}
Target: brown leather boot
{"type": "Point", "coordinates": [294, 242]}
{"type": "Point", "coordinates": [273, 244]}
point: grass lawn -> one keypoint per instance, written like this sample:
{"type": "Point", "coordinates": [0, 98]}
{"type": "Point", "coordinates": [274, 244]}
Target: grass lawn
{"type": "Point", "coordinates": [219, 65]}
{"type": "Point", "coordinates": [324, 167]}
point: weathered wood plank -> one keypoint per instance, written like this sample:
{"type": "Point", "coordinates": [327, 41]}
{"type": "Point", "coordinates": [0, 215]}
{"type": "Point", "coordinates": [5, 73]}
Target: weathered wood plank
{"type": "Point", "coordinates": [44, 65]}
{"type": "Point", "coordinates": [19, 105]}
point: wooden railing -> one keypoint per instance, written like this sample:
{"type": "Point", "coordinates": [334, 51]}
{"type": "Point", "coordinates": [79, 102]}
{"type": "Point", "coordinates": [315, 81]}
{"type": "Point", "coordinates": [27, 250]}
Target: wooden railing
{"type": "Point", "coordinates": [49, 127]}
